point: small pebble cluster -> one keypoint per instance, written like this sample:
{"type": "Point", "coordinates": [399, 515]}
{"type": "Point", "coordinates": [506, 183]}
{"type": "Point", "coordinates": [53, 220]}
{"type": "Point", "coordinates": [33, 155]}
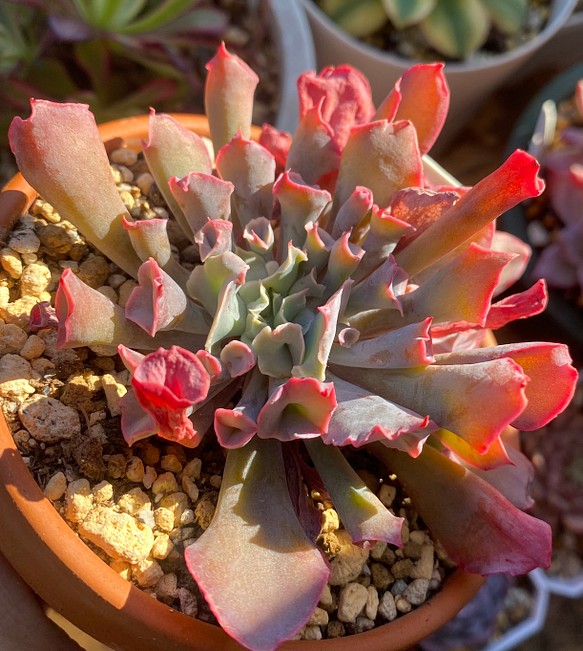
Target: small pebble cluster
{"type": "Point", "coordinates": [139, 508]}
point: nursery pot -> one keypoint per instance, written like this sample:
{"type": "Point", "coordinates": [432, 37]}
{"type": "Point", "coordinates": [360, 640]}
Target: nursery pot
{"type": "Point", "coordinates": [76, 583]}
{"type": "Point", "coordinates": [470, 81]}
{"type": "Point", "coordinates": [562, 318]}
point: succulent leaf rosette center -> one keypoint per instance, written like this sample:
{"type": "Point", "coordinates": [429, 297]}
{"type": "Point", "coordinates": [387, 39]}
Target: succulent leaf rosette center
{"type": "Point", "coordinates": [341, 298]}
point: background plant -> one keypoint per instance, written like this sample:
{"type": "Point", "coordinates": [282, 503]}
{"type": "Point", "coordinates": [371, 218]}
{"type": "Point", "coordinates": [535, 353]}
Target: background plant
{"type": "Point", "coordinates": [453, 28]}
{"type": "Point", "coordinates": [119, 57]}
{"type": "Point", "coordinates": [340, 299]}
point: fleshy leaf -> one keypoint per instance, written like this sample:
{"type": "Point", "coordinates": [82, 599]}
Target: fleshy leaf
{"type": "Point", "coordinates": [406, 347]}
{"type": "Point", "coordinates": [353, 212]}
{"type": "Point", "coordinates": [539, 361]}
{"type": "Point", "coordinates": [363, 515]}
{"type": "Point", "coordinates": [314, 154]}
{"type": "Point", "coordinates": [136, 423]}
{"type": "Point", "coordinates": [280, 349]}
{"type": "Point", "coordinates": [229, 89]}
{"type": "Point", "coordinates": [515, 180]}
{"type": "Point", "coordinates": [251, 168]}
{"type": "Point", "coordinates": [59, 151]}
{"type": "Point", "coordinates": [158, 303]}
{"type": "Point", "coordinates": [300, 204]}
{"type": "Point", "coordinates": [481, 530]}
{"type": "Point", "coordinates": [518, 306]}
{"type": "Point", "coordinates": [149, 237]}
{"type": "Point", "coordinates": [298, 408]}
{"type": "Point", "coordinates": [235, 427]}
{"type": "Point", "coordinates": [253, 542]}
{"type": "Point", "coordinates": [201, 196]}
{"type": "Point", "coordinates": [167, 384]}
{"type": "Point", "coordinates": [174, 151]}
{"type": "Point", "coordinates": [383, 156]}
{"type": "Point", "coordinates": [237, 357]}
{"type": "Point", "coordinates": [214, 238]}
{"type": "Point", "coordinates": [88, 318]}
{"type": "Point", "coordinates": [495, 390]}
{"type": "Point", "coordinates": [363, 417]}
{"type": "Point", "coordinates": [425, 80]}
{"type": "Point", "coordinates": [347, 98]}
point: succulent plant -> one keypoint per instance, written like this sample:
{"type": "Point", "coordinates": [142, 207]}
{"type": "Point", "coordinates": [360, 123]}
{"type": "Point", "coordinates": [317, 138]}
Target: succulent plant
{"type": "Point", "coordinates": [340, 300]}
{"type": "Point", "coordinates": [454, 28]}
{"type": "Point", "coordinates": [558, 143]}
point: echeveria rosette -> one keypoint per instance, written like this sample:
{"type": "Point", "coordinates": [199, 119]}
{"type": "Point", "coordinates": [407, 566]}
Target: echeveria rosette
{"type": "Point", "coordinates": [340, 298]}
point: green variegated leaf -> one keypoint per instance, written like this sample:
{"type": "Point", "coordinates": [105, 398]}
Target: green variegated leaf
{"type": "Point", "coordinates": [507, 15]}
{"type": "Point", "coordinates": [456, 28]}
{"type": "Point", "coordinates": [357, 17]}
{"type": "Point", "coordinates": [408, 12]}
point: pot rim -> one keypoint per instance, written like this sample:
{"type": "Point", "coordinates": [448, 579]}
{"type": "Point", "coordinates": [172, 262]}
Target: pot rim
{"type": "Point", "coordinates": [32, 527]}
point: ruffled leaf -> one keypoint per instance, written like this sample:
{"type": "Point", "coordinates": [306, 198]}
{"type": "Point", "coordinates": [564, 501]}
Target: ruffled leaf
{"type": "Point", "coordinates": [363, 417]}
{"type": "Point", "coordinates": [298, 408]}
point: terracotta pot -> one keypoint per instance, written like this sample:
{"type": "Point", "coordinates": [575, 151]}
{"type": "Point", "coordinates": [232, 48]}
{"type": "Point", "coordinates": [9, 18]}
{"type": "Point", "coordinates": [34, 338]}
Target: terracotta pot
{"type": "Point", "coordinates": [74, 581]}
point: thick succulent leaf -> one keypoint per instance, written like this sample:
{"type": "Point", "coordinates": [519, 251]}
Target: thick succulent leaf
{"type": "Point", "coordinates": [214, 238]}
{"type": "Point", "coordinates": [300, 204]}
{"type": "Point", "coordinates": [406, 347]}
{"type": "Point", "coordinates": [251, 168]}
{"type": "Point", "coordinates": [481, 530]}
{"type": "Point", "coordinates": [149, 237]}
{"type": "Point", "coordinates": [457, 28]}
{"type": "Point", "coordinates": [539, 361]}
{"type": "Point", "coordinates": [530, 302]}
{"type": "Point", "coordinates": [514, 270]}
{"type": "Point", "coordinates": [359, 18]}
{"type": "Point", "coordinates": [59, 151]}
{"type": "Point", "coordinates": [383, 156]}
{"type": "Point", "coordinates": [314, 154]}
{"type": "Point", "coordinates": [344, 258]}
{"type": "Point", "coordinates": [174, 151]}
{"type": "Point", "coordinates": [425, 80]}
{"type": "Point", "coordinates": [229, 89]}
{"type": "Point", "coordinates": [235, 427]}
{"type": "Point", "coordinates": [320, 336]}
{"type": "Point", "coordinates": [493, 395]}
{"type": "Point", "coordinates": [158, 303]}
{"type": "Point", "coordinates": [167, 384]}
{"type": "Point", "coordinates": [88, 318]}
{"type": "Point", "coordinates": [280, 349]}
{"type": "Point", "coordinates": [377, 290]}
{"type": "Point", "coordinates": [515, 180]}
{"type": "Point", "coordinates": [513, 479]}
{"type": "Point", "coordinates": [384, 232]}
{"type": "Point", "coordinates": [419, 208]}
{"type": "Point", "coordinates": [353, 212]}
{"type": "Point", "coordinates": [253, 547]}
{"type": "Point", "coordinates": [460, 291]}
{"type": "Point", "coordinates": [495, 457]}
{"type": "Point", "coordinates": [136, 423]}
{"type": "Point", "coordinates": [207, 280]}
{"type": "Point", "coordinates": [347, 99]}
{"type": "Point", "coordinates": [363, 515]}
{"type": "Point", "coordinates": [260, 237]}
{"type": "Point", "coordinates": [363, 417]}
{"type": "Point", "coordinates": [230, 317]}
{"type": "Point", "coordinates": [297, 408]}
{"type": "Point", "coordinates": [201, 196]}
{"type": "Point", "coordinates": [237, 357]}
{"type": "Point", "coordinates": [276, 142]}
